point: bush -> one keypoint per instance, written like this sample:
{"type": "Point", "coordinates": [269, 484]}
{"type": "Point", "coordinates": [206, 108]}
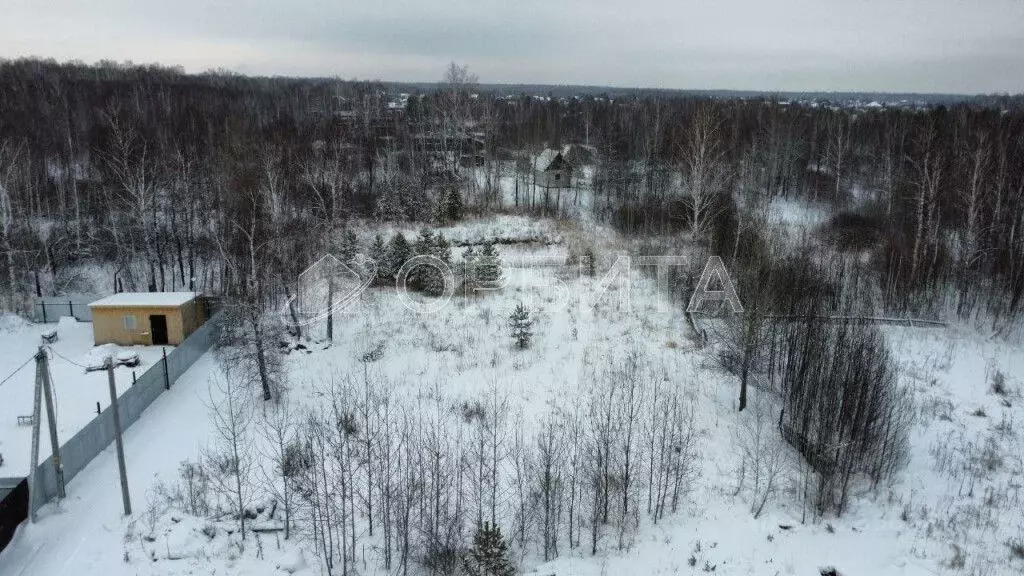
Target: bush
{"type": "Point", "coordinates": [1016, 548]}
{"type": "Point", "coordinates": [844, 412]}
{"type": "Point", "coordinates": [849, 231]}
{"type": "Point", "coordinates": [999, 384]}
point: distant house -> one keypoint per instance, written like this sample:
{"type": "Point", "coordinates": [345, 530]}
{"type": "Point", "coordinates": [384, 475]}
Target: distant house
{"type": "Point", "coordinates": [146, 318]}
{"type": "Point", "coordinates": [552, 170]}
{"type": "Point", "coordinates": [579, 155]}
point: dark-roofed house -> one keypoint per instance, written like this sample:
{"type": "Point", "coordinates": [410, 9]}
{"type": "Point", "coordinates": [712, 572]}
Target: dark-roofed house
{"type": "Point", "coordinates": [551, 170]}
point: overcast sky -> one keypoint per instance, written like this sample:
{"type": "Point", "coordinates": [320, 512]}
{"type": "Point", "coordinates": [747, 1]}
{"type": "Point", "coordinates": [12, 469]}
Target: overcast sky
{"type": "Point", "coordinates": [885, 45]}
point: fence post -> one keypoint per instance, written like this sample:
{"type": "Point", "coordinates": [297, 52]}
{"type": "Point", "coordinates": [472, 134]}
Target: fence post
{"type": "Point", "coordinates": [167, 375]}
{"type": "Point", "coordinates": [43, 304]}
{"type": "Point", "coordinates": [71, 309]}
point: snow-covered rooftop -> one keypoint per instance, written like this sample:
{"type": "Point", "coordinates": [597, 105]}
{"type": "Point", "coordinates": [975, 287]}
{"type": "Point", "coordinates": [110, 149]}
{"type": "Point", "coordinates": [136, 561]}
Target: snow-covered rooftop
{"type": "Point", "coordinates": [145, 299]}
{"type": "Point", "coordinates": [544, 159]}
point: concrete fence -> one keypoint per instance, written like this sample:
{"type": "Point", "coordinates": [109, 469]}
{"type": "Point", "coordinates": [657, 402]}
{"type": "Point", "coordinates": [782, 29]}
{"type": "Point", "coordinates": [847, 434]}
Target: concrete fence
{"type": "Point", "coordinates": [81, 448]}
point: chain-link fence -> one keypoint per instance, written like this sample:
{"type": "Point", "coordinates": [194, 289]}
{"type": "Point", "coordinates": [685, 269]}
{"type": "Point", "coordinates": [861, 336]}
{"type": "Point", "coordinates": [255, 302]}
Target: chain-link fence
{"type": "Point", "coordinates": [78, 451]}
{"type": "Point", "coordinates": [51, 309]}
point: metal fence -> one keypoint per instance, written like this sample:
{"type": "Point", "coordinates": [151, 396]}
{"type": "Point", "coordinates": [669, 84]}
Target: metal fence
{"type": "Point", "coordinates": [78, 451]}
{"type": "Point", "coordinates": [52, 308]}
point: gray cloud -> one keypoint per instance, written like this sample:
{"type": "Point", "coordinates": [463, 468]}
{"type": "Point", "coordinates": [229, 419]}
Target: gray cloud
{"type": "Point", "coordinates": [892, 45]}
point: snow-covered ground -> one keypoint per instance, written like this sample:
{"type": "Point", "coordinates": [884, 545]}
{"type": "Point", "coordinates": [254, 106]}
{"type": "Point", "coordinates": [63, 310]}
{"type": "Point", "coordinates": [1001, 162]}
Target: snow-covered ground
{"type": "Point", "coordinates": [953, 510]}
{"type": "Point", "coordinates": [75, 391]}
{"type": "Point", "coordinates": [85, 533]}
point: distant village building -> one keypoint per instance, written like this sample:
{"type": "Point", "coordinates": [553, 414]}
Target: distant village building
{"type": "Point", "coordinates": [552, 170]}
{"type": "Point", "coordinates": [147, 318]}
{"type": "Point", "coordinates": [579, 155]}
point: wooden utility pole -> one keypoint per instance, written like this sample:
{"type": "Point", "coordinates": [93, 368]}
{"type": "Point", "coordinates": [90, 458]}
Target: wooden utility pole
{"type": "Point", "coordinates": [117, 436]}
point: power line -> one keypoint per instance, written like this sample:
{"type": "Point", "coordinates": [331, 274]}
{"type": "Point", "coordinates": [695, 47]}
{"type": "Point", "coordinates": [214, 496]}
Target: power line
{"type": "Point", "coordinates": [16, 370]}
{"type": "Point", "coordinates": [66, 359]}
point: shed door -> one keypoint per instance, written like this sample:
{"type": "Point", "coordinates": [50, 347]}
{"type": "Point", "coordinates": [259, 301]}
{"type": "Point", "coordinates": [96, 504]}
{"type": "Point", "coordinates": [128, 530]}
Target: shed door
{"type": "Point", "coordinates": [158, 328]}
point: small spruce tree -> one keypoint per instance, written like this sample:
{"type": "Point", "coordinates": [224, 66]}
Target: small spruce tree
{"type": "Point", "coordinates": [469, 263]}
{"type": "Point", "coordinates": [347, 246]}
{"type": "Point", "coordinates": [590, 262]}
{"type": "Point", "coordinates": [488, 268]}
{"type": "Point", "coordinates": [521, 326]}
{"type": "Point", "coordinates": [424, 246]}
{"type": "Point", "coordinates": [489, 555]}
{"type": "Point", "coordinates": [433, 279]}
{"type": "Point", "coordinates": [379, 254]}
{"type": "Point", "coordinates": [453, 205]}
{"type": "Point", "coordinates": [441, 209]}
{"type": "Point", "coordinates": [398, 252]}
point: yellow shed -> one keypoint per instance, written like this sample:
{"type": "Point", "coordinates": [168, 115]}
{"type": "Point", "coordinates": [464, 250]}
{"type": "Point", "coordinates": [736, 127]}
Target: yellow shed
{"type": "Point", "coordinates": [147, 318]}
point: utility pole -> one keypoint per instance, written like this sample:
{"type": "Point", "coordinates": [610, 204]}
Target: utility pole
{"type": "Point", "coordinates": [42, 388]}
{"type": "Point", "coordinates": [117, 436]}
{"type": "Point", "coordinates": [36, 413]}
{"type": "Point", "coordinates": [43, 366]}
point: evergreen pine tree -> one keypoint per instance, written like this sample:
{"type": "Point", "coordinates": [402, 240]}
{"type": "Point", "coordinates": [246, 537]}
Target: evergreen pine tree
{"type": "Point", "coordinates": [453, 205]}
{"type": "Point", "coordinates": [489, 555]}
{"type": "Point", "coordinates": [488, 269]}
{"type": "Point", "coordinates": [442, 249]}
{"type": "Point", "coordinates": [348, 246]}
{"type": "Point", "coordinates": [590, 262]}
{"type": "Point", "coordinates": [441, 209]}
{"type": "Point", "coordinates": [389, 206]}
{"type": "Point", "coordinates": [469, 263]}
{"type": "Point", "coordinates": [379, 254]}
{"type": "Point", "coordinates": [424, 246]}
{"type": "Point", "coordinates": [398, 252]}
{"type": "Point", "coordinates": [521, 326]}
{"type": "Point", "coordinates": [433, 279]}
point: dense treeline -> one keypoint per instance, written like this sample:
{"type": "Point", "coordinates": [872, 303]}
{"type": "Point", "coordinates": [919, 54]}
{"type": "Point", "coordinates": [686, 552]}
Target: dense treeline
{"type": "Point", "coordinates": [230, 185]}
{"type": "Point", "coordinates": [155, 171]}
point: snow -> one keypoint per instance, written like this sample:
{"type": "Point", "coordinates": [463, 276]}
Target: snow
{"type": "Point", "coordinates": [145, 299]}
{"type": "Point", "coordinates": [75, 391]}
{"type": "Point", "coordinates": [544, 159]}
{"type": "Point", "coordinates": [85, 534]}
{"type": "Point", "coordinates": [455, 355]}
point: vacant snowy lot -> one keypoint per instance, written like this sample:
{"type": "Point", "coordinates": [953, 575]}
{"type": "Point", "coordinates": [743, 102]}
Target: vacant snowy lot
{"type": "Point", "coordinates": [956, 508]}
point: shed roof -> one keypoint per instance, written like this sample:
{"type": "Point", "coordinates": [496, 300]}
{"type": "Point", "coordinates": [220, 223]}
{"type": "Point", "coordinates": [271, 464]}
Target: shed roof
{"type": "Point", "coordinates": [145, 300]}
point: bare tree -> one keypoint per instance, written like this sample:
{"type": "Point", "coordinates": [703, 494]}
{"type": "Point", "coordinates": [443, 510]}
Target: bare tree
{"type": "Point", "coordinates": [550, 453]}
{"type": "Point", "coordinates": [282, 450]}
{"type": "Point", "coordinates": [230, 461]}
{"type": "Point", "coordinates": [705, 171]}
{"type": "Point", "coordinates": [761, 455]}
{"type": "Point", "coordinates": [9, 161]}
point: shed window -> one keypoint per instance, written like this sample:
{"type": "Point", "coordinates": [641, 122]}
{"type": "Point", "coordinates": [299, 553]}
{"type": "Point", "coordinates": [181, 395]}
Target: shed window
{"type": "Point", "coordinates": [558, 176]}
{"type": "Point", "coordinates": [129, 322]}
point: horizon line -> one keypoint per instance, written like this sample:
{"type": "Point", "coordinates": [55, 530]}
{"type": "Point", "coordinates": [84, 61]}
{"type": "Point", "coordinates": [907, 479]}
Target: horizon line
{"type": "Point", "coordinates": [339, 77]}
